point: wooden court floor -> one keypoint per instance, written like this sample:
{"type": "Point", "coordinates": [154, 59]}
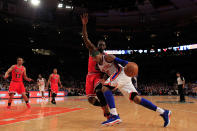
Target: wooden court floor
{"type": "Point", "coordinates": [76, 114]}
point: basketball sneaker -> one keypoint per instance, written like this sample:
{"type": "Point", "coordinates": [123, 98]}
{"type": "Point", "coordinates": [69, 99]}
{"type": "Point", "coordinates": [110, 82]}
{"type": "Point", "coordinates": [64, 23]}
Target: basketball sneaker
{"type": "Point", "coordinates": [166, 117]}
{"type": "Point", "coordinates": [114, 119]}
{"type": "Point", "coordinates": [8, 107]}
{"type": "Point", "coordinates": [53, 102]}
{"type": "Point", "coordinates": [28, 105]}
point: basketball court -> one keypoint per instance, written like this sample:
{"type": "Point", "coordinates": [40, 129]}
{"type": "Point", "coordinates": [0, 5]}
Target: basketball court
{"type": "Point", "coordinates": [76, 114]}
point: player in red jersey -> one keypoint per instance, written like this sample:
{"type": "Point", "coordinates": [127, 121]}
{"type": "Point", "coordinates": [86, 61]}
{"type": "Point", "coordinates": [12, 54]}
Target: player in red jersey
{"type": "Point", "coordinates": [16, 85]}
{"type": "Point", "coordinates": [54, 79]}
{"type": "Point", "coordinates": [93, 80]}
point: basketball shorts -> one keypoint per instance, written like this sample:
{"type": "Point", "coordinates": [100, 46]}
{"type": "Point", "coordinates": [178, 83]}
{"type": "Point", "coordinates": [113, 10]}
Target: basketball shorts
{"type": "Point", "coordinates": [121, 81]}
{"type": "Point", "coordinates": [92, 80]}
{"type": "Point", "coordinates": [54, 88]}
{"type": "Point", "coordinates": [41, 88]}
{"type": "Point", "coordinates": [16, 87]}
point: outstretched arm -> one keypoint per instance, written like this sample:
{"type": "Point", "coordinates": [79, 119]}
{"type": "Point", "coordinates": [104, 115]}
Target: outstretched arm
{"type": "Point", "coordinates": [8, 72]}
{"type": "Point", "coordinates": [91, 47]}
{"type": "Point", "coordinates": [111, 58]}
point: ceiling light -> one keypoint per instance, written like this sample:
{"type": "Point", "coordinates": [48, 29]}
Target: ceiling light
{"type": "Point", "coordinates": [35, 2]}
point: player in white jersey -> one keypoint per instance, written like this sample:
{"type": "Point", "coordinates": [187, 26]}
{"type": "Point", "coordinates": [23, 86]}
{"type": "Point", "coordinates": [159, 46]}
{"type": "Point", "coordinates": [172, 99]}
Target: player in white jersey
{"type": "Point", "coordinates": [41, 84]}
{"type": "Point", "coordinates": [118, 79]}
{"type": "Point", "coordinates": [117, 76]}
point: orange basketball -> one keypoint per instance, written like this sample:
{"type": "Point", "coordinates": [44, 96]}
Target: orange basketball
{"type": "Point", "coordinates": [131, 69]}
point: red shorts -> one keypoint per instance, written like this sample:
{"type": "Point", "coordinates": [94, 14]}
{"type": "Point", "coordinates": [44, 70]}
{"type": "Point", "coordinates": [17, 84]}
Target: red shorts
{"type": "Point", "coordinates": [92, 80]}
{"type": "Point", "coordinates": [54, 88]}
{"type": "Point", "coordinates": [16, 87]}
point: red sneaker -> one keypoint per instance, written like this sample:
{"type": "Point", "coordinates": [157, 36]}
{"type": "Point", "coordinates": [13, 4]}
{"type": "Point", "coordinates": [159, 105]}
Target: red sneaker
{"type": "Point", "coordinates": [28, 105]}
{"type": "Point", "coordinates": [8, 107]}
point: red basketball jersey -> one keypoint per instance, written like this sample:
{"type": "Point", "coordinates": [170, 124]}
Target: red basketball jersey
{"type": "Point", "coordinates": [92, 65]}
{"type": "Point", "coordinates": [54, 79]}
{"type": "Point", "coordinates": [17, 73]}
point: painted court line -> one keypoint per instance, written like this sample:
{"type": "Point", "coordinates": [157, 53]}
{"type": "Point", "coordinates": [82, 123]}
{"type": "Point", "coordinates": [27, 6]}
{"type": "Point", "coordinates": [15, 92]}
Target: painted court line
{"type": "Point", "coordinates": [35, 114]}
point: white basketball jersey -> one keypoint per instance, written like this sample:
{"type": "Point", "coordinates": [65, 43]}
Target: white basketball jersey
{"type": "Point", "coordinates": [41, 82]}
{"type": "Point", "coordinates": [108, 68]}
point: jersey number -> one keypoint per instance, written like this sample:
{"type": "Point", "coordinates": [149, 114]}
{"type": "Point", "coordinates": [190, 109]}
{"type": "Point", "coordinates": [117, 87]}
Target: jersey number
{"type": "Point", "coordinates": [18, 75]}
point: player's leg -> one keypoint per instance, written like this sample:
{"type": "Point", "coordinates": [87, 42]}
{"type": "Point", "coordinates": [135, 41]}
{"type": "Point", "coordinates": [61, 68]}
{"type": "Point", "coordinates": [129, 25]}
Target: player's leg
{"type": "Point", "coordinates": [42, 94]}
{"type": "Point", "coordinates": [128, 88]}
{"type": "Point", "coordinates": [54, 89]}
{"type": "Point", "coordinates": [11, 96]}
{"type": "Point", "coordinates": [94, 101]}
{"type": "Point", "coordinates": [90, 91]}
{"type": "Point", "coordinates": [53, 97]}
{"type": "Point", "coordinates": [179, 92]}
{"type": "Point", "coordinates": [21, 90]}
{"type": "Point", "coordinates": [114, 118]}
{"type": "Point", "coordinates": [49, 95]}
{"type": "Point", "coordinates": [26, 99]}
{"type": "Point", "coordinates": [93, 86]}
{"type": "Point", "coordinates": [147, 104]}
{"type": "Point", "coordinates": [12, 91]}
{"type": "Point", "coordinates": [101, 97]}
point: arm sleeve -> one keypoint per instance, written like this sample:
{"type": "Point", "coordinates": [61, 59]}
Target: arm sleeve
{"type": "Point", "coordinates": [120, 61]}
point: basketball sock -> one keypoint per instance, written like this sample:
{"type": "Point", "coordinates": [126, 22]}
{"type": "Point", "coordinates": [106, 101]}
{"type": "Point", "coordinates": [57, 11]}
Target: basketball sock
{"type": "Point", "coordinates": [148, 104]}
{"type": "Point", "coordinates": [113, 111]}
{"type": "Point", "coordinates": [160, 110]}
{"type": "Point", "coordinates": [9, 104]}
{"type": "Point", "coordinates": [110, 101]}
{"type": "Point", "coordinates": [151, 106]}
{"type": "Point", "coordinates": [53, 96]}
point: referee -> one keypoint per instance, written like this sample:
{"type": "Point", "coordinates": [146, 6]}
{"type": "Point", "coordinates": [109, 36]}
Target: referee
{"type": "Point", "coordinates": [181, 86]}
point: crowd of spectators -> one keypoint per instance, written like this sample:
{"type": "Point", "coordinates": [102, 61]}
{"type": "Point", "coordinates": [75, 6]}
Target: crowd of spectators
{"type": "Point", "coordinates": [77, 88]}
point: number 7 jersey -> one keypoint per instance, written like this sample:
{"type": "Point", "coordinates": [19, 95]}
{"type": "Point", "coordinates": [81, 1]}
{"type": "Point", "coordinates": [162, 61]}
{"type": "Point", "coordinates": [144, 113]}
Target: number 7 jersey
{"type": "Point", "coordinates": [17, 73]}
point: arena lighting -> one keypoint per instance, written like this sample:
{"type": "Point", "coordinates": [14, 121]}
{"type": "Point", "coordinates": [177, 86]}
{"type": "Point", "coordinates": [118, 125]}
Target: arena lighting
{"type": "Point", "coordinates": [42, 52]}
{"type": "Point", "coordinates": [140, 51]}
{"type": "Point", "coordinates": [178, 48]}
{"type": "Point", "coordinates": [60, 5]}
{"type": "Point", "coordinates": [68, 7]}
{"type": "Point", "coordinates": [35, 2]}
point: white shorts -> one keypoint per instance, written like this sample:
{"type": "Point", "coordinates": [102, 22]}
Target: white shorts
{"type": "Point", "coordinates": [121, 81]}
{"type": "Point", "coordinates": [41, 88]}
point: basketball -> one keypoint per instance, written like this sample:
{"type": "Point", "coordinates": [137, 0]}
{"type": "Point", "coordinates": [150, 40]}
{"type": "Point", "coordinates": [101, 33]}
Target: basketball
{"type": "Point", "coordinates": [131, 69]}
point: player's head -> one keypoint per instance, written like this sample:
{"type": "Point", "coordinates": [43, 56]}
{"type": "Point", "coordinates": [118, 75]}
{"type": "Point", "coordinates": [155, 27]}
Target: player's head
{"type": "Point", "coordinates": [20, 61]}
{"type": "Point", "coordinates": [178, 74]}
{"type": "Point", "coordinates": [101, 45]}
{"type": "Point", "coordinates": [39, 76]}
{"type": "Point", "coordinates": [55, 70]}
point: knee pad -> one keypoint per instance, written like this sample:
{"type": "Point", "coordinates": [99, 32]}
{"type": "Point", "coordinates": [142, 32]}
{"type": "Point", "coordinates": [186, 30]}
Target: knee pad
{"type": "Point", "coordinates": [133, 95]}
{"type": "Point", "coordinates": [93, 101]}
{"type": "Point", "coordinates": [101, 97]}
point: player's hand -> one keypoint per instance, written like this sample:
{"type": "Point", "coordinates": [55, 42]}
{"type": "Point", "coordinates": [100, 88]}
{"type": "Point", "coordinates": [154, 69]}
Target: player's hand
{"type": "Point", "coordinates": [84, 18]}
{"type": "Point", "coordinates": [30, 80]}
{"type": "Point", "coordinates": [6, 76]}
